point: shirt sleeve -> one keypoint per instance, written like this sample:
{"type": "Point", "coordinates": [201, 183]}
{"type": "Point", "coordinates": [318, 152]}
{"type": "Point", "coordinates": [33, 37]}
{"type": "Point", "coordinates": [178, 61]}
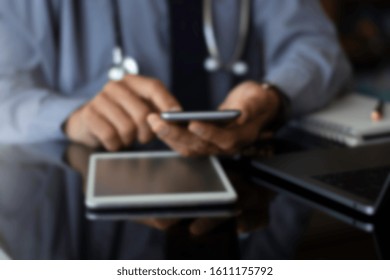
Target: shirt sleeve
{"type": "Point", "coordinates": [302, 55]}
{"type": "Point", "coordinates": [31, 110]}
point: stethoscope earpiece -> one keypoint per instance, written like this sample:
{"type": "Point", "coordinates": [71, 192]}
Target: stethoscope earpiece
{"type": "Point", "coordinates": [116, 73]}
{"type": "Point", "coordinates": [239, 68]}
{"type": "Point", "coordinates": [211, 64]}
{"type": "Point", "coordinates": [122, 66]}
{"type": "Point", "coordinates": [130, 66]}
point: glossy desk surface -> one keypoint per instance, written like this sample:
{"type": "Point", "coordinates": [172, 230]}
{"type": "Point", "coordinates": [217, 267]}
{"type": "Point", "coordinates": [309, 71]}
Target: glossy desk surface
{"type": "Point", "coordinates": [42, 216]}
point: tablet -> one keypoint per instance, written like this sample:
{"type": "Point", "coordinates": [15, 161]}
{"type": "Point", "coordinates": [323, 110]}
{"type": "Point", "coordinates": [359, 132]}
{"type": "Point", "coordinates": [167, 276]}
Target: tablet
{"type": "Point", "coordinates": [155, 179]}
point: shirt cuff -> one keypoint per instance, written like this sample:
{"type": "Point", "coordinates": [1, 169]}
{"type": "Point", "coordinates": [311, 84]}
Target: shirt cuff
{"type": "Point", "coordinates": [284, 109]}
{"type": "Point", "coordinates": [292, 82]}
{"type": "Point", "coordinates": [53, 113]}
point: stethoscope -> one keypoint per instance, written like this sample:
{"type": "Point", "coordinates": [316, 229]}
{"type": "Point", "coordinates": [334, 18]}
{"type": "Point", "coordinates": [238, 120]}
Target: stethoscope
{"type": "Point", "coordinates": [123, 65]}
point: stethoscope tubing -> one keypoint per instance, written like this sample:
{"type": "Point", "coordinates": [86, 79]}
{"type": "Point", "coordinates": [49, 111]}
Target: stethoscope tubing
{"type": "Point", "coordinates": [128, 65]}
{"type": "Point", "coordinates": [210, 37]}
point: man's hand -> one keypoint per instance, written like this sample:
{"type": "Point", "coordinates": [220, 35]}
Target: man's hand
{"type": "Point", "coordinates": [117, 116]}
{"type": "Point", "coordinates": [258, 106]}
{"type": "Point", "coordinates": [180, 138]}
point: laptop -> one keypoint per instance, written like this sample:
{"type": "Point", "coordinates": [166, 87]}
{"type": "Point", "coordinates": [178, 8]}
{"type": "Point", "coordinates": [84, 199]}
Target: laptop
{"type": "Point", "coordinates": [357, 178]}
{"type": "Point", "coordinates": [359, 221]}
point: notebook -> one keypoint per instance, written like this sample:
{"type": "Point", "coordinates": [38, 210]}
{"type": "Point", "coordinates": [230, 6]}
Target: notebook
{"type": "Point", "coordinates": [347, 120]}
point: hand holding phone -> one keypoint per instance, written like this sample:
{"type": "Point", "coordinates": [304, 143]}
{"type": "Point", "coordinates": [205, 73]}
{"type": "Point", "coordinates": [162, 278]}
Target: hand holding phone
{"type": "Point", "coordinates": [258, 106]}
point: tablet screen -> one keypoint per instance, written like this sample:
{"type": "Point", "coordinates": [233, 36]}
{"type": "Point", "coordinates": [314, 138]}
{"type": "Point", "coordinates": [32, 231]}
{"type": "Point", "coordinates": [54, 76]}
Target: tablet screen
{"type": "Point", "coordinates": [151, 176]}
{"type": "Point", "coordinates": [156, 179]}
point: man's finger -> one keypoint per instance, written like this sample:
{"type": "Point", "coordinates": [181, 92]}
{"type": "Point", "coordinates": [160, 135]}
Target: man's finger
{"type": "Point", "coordinates": [225, 138]}
{"type": "Point", "coordinates": [247, 97]}
{"type": "Point", "coordinates": [153, 91]}
{"type": "Point", "coordinates": [134, 106]}
{"type": "Point", "coordinates": [180, 139]}
{"type": "Point", "coordinates": [122, 122]}
{"type": "Point", "coordinates": [204, 225]}
{"type": "Point", "coordinates": [230, 140]}
{"type": "Point", "coordinates": [103, 130]}
{"type": "Point", "coordinates": [77, 128]}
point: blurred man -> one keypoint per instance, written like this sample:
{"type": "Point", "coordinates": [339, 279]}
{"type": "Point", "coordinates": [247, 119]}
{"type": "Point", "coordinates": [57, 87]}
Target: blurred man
{"type": "Point", "coordinates": [55, 56]}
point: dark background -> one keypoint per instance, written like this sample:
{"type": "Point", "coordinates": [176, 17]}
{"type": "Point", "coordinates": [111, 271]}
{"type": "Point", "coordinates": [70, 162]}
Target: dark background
{"type": "Point", "coordinates": [364, 30]}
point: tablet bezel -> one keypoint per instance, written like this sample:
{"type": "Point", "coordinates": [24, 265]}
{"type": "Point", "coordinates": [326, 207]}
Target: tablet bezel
{"type": "Point", "coordinates": [156, 200]}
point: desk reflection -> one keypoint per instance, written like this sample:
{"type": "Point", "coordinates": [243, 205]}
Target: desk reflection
{"type": "Point", "coordinates": [42, 216]}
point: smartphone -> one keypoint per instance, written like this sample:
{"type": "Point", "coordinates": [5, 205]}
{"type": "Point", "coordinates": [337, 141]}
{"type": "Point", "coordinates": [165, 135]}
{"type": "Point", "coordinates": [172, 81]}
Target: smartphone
{"type": "Point", "coordinates": [219, 117]}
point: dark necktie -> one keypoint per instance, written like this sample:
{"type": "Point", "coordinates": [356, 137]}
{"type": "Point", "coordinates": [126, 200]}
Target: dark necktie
{"type": "Point", "coordinates": [188, 51]}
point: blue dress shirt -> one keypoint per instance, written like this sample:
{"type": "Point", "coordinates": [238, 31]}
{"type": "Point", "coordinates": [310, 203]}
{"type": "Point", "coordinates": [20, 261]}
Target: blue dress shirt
{"type": "Point", "coordinates": [54, 55]}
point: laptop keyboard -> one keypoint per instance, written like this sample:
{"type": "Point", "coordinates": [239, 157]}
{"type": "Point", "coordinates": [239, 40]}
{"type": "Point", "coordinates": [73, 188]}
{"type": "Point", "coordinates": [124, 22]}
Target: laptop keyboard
{"type": "Point", "coordinates": [366, 183]}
